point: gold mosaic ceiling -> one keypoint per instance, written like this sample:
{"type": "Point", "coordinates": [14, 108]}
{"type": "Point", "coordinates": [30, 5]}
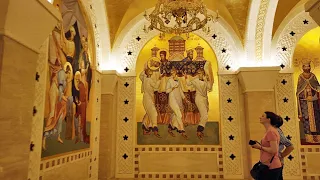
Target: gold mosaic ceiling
{"type": "Point", "coordinates": [121, 12]}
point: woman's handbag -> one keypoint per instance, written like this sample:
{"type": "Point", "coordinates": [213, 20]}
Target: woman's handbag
{"type": "Point", "coordinates": [259, 169]}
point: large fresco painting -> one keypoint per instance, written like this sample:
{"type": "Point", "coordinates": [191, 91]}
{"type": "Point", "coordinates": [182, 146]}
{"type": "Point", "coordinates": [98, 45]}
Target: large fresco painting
{"type": "Point", "coordinates": [177, 92]}
{"type": "Point", "coordinates": [67, 112]}
{"type": "Point", "coordinates": [307, 72]}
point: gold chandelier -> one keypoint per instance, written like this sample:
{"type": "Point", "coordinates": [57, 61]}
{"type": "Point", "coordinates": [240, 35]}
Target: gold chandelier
{"type": "Point", "coordinates": [179, 16]}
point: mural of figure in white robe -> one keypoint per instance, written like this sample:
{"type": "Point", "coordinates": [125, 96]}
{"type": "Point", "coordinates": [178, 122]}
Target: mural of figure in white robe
{"type": "Point", "coordinates": [149, 122]}
{"type": "Point", "coordinates": [202, 86]}
{"type": "Point", "coordinates": [176, 98]}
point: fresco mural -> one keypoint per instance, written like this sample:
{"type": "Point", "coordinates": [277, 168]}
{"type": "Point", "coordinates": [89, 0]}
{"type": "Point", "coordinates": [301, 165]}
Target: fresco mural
{"type": "Point", "coordinates": [67, 117]}
{"type": "Point", "coordinates": [176, 80]}
{"type": "Point", "coordinates": [306, 62]}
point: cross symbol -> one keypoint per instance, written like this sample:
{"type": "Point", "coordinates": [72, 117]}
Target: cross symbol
{"type": "Point", "coordinates": [126, 69]}
{"type": "Point", "coordinates": [224, 50]}
{"type": "Point", "coordinates": [228, 82]}
{"type": "Point", "coordinates": [138, 38]}
{"type": "Point", "coordinates": [229, 100]}
{"type": "Point", "coordinates": [285, 100]}
{"type": "Point", "coordinates": [125, 137]}
{"type": "Point", "coordinates": [230, 118]}
{"type": "Point", "coordinates": [292, 33]}
{"type": "Point", "coordinates": [289, 137]}
{"type": "Point", "coordinates": [126, 84]}
{"type": "Point", "coordinates": [284, 49]}
{"type": "Point", "coordinates": [305, 22]}
{"type": "Point", "coordinates": [282, 66]}
{"type": "Point", "coordinates": [228, 67]}
{"type": "Point", "coordinates": [214, 36]}
{"type": "Point", "coordinates": [287, 118]}
{"type": "Point", "coordinates": [126, 101]}
{"type": "Point", "coordinates": [125, 156]}
{"type": "Point", "coordinates": [283, 81]}
{"type": "Point", "coordinates": [290, 157]}
{"type": "Point", "coordinates": [126, 119]}
{"type": "Point", "coordinates": [232, 156]}
{"type": "Point", "coordinates": [37, 76]}
{"type": "Point", "coordinates": [31, 146]}
{"type": "Point", "coordinates": [231, 137]}
{"type": "Point", "coordinates": [34, 111]}
{"type": "Point", "coordinates": [129, 53]}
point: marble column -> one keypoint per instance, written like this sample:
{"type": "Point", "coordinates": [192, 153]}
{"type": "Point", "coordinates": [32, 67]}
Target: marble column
{"type": "Point", "coordinates": [258, 91]}
{"type": "Point", "coordinates": [24, 27]}
{"type": "Point", "coordinates": [108, 125]}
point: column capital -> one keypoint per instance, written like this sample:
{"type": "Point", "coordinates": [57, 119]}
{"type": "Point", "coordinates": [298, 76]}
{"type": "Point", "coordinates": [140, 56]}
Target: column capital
{"type": "Point", "coordinates": [109, 81]}
{"type": "Point", "coordinates": [253, 79]}
{"type": "Point", "coordinates": [313, 7]}
{"type": "Point", "coordinates": [28, 22]}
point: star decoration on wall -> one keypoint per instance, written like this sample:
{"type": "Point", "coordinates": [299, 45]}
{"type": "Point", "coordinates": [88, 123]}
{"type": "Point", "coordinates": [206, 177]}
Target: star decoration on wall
{"type": "Point", "coordinates": [126, 84]}
{"type": "Point", "coordinates": [285, 100]}
{"type": "Point", "coordinates": [34, 110]}
{"type": "Point", "coordinates": [230, 118]}
{"type": "Point", "coordinates": [125, 156]}
{"type": "Point", "coordinates": [292, 33]}
{"type": "Point", "coordinates": [90, 6]}
{"type": "Point", "coordinates": [290, 157]}
{"type": "Point", "coordinates": [31, 146]}
{"type": "Point", "coordinates": [125, 119]}
{"type": "Point", "coordinates": [95, 25]}
{"type": "Point", "coordinates": [227, 67]}
{"type": "Point", "coordinates": [289, 137]}
{"type": "Point", "coordinates": [97, 100]}
{"type": "Point", "coordinates": [37, 76]}
{"type": "Point", "coordinates": [284, 49]}
{"type": "Point", "coordinates": [232, 156]}
{"type": "Point", "coordinates": [305, 22]}
{"type": "Point", "coordinates": [214, 36]}
{"type": "Point", "coordinates": [229, 100]}
{"type": "Point", "coordinates": [98, 80]}
{"type": "Point", "coordinates": [287, 118]}
{"type": "Point", "coordinates": [98, 45]}
{"type": "Point", "coordinates": [282, 66]}
{"type": "Point", "coordinates": [283, 81]}
{"type": "Point", "coordinates": [96, 139]}
{"type": "Point", "coordinates": [126, 101]}
{"type": "Point", "coordinates": [129, 53]}
{"type": "Point", "coordinates": [96, 119]}
{"type": "Point", "coordinates": [228, 83]}
{"type": "Point", "coordinates": [231, 138]}
{"type": "Point", "coordinates": [138, 38]}
{"type": "Point", "coordinates": [223, 50]}
{"type": "Point", "coordinates": [126, 69]}
{"type": "Point", "coordinates": [125, 137]}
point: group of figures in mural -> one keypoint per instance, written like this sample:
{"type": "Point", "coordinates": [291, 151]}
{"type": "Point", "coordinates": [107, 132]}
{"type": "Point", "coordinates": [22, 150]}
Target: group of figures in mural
{"type": "Point", "coordinates": [69, 81]}
{"type": "Point", "coordinates": [175, 89]}
{"type": "Point", "coordinates": [308, 98]}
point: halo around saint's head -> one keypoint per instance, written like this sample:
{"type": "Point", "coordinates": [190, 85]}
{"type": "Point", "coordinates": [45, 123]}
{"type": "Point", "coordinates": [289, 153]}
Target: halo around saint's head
{"type": "Point", "coordinates": [153, 63]}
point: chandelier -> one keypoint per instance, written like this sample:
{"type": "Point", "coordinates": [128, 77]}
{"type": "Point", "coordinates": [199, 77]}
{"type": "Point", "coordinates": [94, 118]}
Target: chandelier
{"type": "Point", "coordinates": [179, 16]}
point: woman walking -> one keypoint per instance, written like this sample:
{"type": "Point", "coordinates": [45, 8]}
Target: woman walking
{"type": "Point", "coordinates": [269, 147]}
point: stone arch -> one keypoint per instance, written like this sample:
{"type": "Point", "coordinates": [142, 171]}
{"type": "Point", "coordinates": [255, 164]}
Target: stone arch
{"type": "Point", "coordinates": [291, 30]}
{"type": "Point", "coordinates": [127, 42]}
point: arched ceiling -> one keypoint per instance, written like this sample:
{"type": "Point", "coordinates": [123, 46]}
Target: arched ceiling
{"type": "Point", "coordinates": [121, 12]}
{"type": "Point", "coordinates": [283, 9]}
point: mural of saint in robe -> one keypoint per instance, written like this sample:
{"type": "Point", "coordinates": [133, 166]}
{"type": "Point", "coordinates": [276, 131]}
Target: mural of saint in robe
{"type": "Point", "coordinates": [175, 86]}
{"type": "Point", "coordinates": [66, 123]}
{"type": "Point", "coordinates": [308, 100]}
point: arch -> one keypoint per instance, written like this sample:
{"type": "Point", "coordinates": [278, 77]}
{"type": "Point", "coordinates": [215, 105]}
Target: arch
{"type": "Point", "coordinates": [295, 25]}
{"type": "Point", "coordinates": [96, 12]}
{"type": "Point", "coordinates": [126, 41]}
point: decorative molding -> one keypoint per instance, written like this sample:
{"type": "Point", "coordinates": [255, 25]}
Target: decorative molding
{"type": "Point", "coordinates": [125, 166]}
{"type": "Point", "coordinates": [179, 149]}
{"type": "Point", "coordinates": [230, 121]}
{"type": "Point", "coordinates": [52, 163]}
{"type": "Point", "coordinates": [260, 28]}
{"type": "Point", "coordinates": [37, 120]}
{"type": "Point", "coordinates": [304, 150]}
{"type": "Point", "coordinates": [284, 37]}
{"type": "Point", "coordinates": [292, 167]}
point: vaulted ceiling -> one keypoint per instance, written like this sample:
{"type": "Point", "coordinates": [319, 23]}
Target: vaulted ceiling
{"type": "Point", "coordinates": [235, 12]}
